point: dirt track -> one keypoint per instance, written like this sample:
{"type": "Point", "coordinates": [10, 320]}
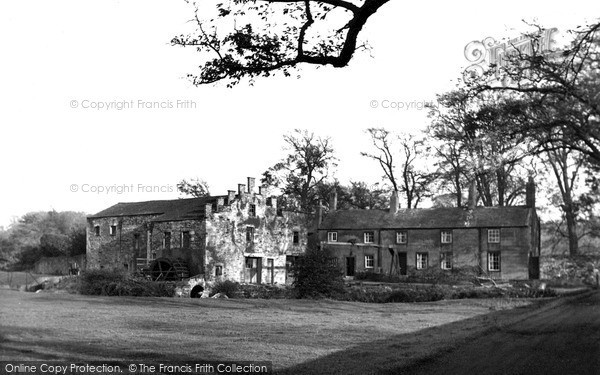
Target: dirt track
{"type": "Point", "coordinates": [561, 340]}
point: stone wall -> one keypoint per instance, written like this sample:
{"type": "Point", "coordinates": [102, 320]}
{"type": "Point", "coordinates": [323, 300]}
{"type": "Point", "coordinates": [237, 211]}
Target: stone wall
{"type": "Point", "coordinates": [60, 265]}
{"type": "Point", "coordinates": [217, 242]}
{"type": "Point", "coordinates": [119, 249]}
{"type": "Point", "coordinates": [271, 240]}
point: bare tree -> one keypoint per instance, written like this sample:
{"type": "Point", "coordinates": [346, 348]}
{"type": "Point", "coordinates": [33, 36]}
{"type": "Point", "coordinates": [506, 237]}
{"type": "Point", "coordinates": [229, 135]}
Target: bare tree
{"type": "Point", "coordinates": [305, 167]}
{"type": "Point", "coordinates": [398, 158]}
{"type": "Point", "coordinates": [251, 38]}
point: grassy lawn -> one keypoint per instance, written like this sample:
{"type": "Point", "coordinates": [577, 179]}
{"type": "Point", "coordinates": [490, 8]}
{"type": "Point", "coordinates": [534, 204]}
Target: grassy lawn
{"type": "Point", "coordinates": [298, 336]}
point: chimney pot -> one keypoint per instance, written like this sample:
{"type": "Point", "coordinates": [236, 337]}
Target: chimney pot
{"type": "Point", "coordinates": [230, 196]}
{"type": "Point", "coordinates": [333, 205]}
{"type": "Point", "coordinates": [472, 200]}
{"type": "Point", "coordinates": [394, 202]}
{"type": "Point", "coordinates": [530, 193]}
{"type": "Point", "coordinates": [251, 181]}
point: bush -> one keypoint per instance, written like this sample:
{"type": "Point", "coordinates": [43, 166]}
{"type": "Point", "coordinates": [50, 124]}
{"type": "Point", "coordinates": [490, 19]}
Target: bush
{"type": "Point", "coordinates": [317, 275]}
{"type": "Point", "coordinates": [227, 287]}
{"type": "Point", "coordinates": [265, 291]}
{"type": "Point", "coordinates": [378, 277]}
{"type": "Point", "coordinates": [456, 275]}
{"type": "Point", "coordinates": [115, 283]}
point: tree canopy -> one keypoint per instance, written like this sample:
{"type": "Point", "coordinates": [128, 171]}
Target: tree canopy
{"type": "Point", "coordinates": [256, 38]}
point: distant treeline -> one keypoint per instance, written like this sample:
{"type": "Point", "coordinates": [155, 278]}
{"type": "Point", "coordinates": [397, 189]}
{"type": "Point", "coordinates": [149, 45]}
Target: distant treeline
{"type": "Point", "coordinates": [42, 234]}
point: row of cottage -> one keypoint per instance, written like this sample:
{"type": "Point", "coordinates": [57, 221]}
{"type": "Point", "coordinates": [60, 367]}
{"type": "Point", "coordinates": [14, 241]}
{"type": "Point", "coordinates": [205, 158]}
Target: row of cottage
{"type": "Point", "coordinates": [243, 236]}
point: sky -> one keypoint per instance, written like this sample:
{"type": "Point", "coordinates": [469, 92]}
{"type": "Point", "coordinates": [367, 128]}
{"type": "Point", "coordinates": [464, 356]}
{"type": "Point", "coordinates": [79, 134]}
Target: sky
{"type": "Point", "coordinates": [60, 60]}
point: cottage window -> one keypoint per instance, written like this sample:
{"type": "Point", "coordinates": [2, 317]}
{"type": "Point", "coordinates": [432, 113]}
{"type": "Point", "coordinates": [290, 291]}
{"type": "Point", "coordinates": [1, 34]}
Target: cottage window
{"type": "Point", "coordinates": [493, 235]}
{"type": "Point", "coordinates": [296, 238]}
{"type": "Point", "coordinates": [446, 261]}
{"type": "Point", "coordinates": [167, 241]}
{"type": "Point", "coordinates": [331, 236]}
{"type": "Point", "coordinates": [369, 261]}
{"type": "Point", "coordinates": [401, 237]}
{"type": "Point", "coordinates": [250, 234]}
{"type": "Point", "coordinates": [185, 240]}
{"type": "Point", "coordinates": [446, 236]}
{"type": "Point", "coordinates": [422, 261]}
{"type": "Point", "coordinates": [369, 237]}
{"type": "Point", "coordinates": [113, 230]}
{"type": "Point", "coordinates": [97, 230]}
{"type": "Point", "coordinates": [218, 271]}
{"type": "Point", "coordinates": [136, 242]}
{"type": "Point", "coordinates": [494, 261]}
{"type": "Point", "coordinates": [252, 210]}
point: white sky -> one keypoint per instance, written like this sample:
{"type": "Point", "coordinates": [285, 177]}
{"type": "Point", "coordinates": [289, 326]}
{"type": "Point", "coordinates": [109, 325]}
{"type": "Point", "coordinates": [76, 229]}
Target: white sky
{"type": "Point", "coordinates": [54, 52]}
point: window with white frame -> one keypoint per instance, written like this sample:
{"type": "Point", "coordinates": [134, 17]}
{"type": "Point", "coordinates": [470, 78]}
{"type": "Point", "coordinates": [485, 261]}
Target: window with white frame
{"type": "Point", "coordinates": [401, 237]}
{"type": "Point", "coordinates": [446, 236]}
{"type": "Point", "coordinates": [446, 261]}
{"type": "Point", "coordinates": [113, 230]}
{"type": "Point", "coordinates": [252, 210]}
{"type": "Point", "coordinates": [494, 261]}
{"type": "Point", "coordinates": [331, 236]}
{"type": "Point", "coordinates": [369, 261]}
{"type": "Point", "coordinates": [369, 237]}
{"type": "Point", "coordinates": [422, 261]}
{"type": "Point", "coordinates": [493, 235]}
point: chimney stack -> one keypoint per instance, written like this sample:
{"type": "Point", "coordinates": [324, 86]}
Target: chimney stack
{"type": "Point", "coordinates": [530, 193]}
{"type": "Point", "coordinates": [241, 189]}
{"type": "Point", "coordinates": [472, 199]}
{"type": "Point", "coordinates": [394, 202]}
{"type": "Point", "coordinates": [230, 196]}
{"type": "Point", "coordinates": [333, 203]}
{"type": "Point", "coordinates": [251, 181]}
{"type": "Point", "coordinates": [320, 214]}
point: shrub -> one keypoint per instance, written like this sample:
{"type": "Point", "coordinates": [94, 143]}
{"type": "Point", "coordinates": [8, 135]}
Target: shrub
{"type": "Point", "coordinates": [317, 274]}
{"type": "Point", "coordinates": [378, 277]}
{"type": "Point", "coordinates": [227, 287]}
{"type": "Point", "coordinates": [115, 283]}
{"type": "Point", "coordinates": [265, 291]}
{"type": "Point", "coordinates": [456, 275]}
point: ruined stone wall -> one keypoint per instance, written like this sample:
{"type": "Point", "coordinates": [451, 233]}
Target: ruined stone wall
{"type": "Point", "coordinates": [62, 265]}
{"type": "Point", "coordinates": [116, 251]}
{"type": "Point", "coordinates": [228, 247]}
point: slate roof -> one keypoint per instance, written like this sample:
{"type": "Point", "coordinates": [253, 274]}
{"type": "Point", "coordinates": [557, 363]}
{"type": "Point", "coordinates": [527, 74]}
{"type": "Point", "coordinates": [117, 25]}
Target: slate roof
{"type": "Point", "coordinates": [439, 218]}
{"type": "Point", "coordinates": [169, 210]}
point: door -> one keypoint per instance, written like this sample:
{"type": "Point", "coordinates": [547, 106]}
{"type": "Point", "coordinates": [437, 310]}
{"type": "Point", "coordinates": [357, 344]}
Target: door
{"type": "Point", "coordinates": [253, 270]}
{"type": "Point", "coordinates": [350, 266]}
{"type": "Point", "coordinates": [403, 263]}
{"type": "Point", "coordinates": [534, 267]}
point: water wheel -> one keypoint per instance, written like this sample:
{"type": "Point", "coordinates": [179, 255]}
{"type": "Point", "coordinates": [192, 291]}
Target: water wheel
{"type": "Point", "coordinates": [165, 269]}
